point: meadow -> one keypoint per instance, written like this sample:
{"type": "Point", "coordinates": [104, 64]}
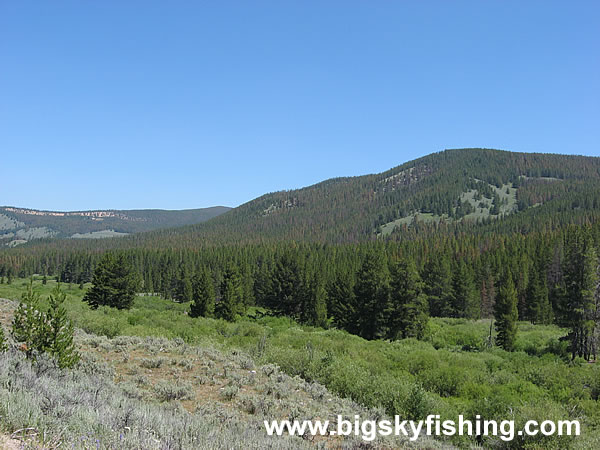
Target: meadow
{"type": "Point", "coordinates": [452, 371]}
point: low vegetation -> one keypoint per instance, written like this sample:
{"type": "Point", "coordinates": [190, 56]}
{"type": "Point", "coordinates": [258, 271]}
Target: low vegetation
{"type": "Point", "coordinates": [158, 393]}
{"type": "Point", "coordinates": [450, 372]}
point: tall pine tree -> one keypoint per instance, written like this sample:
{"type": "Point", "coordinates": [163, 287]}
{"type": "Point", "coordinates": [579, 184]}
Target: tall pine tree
{"type": "Point", "coordinates": [406, 313]}
{"type": "Point", "coordinates": [114, 283]}
{"type": "Point", "coordinates": [506, 313]}
{"type": "Point", "coordinates": [231, 304]}
{"type": "Point", "coordinates": [60, 331]}
{"type": "Point", "coordinates": [465, 301]}
{"type": "Point", "coordinates": [203, 294]}
{"type": "Point", "coordinates": [371, 292]}
{"type": "Point", "coordinates": [438, 285]}
{"type": "Point", "coordinates": [580, 309]}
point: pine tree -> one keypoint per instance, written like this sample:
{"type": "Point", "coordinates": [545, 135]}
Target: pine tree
{"type": "Point", "coordinates": [286, 295]}
{"type": "Point", "coordinates": [315, 309]}
{"type": "Point", "coordinates": [438, 285]}
{"type": "Point", "coordinates": [487, 294]}
{"type": "Point", "coordinates": [262, 286]}
{"type": "Point", "coordinates": [580, 309]}
{"type": "Point", "coordinates": [407, 310]}
{"type": "Point", "coordinates": [247, 285]}
{"type": "Point", "coordinates": [28, 326]}
{"type": "Point", "coordinates": [231, 304]}
{"type": "Point", "coordinates": [342, 303]}
{"type": "Point", "coordinates": [506, 313]}
{"type": "Point", "coordinates": [203, 304]}
{"type": "Point", "coordinates": [183, 291]}
{"type": "Point", "coordinates": [539, 309]}
{"type": "Point", "coordinates": [60, 331]}
{"type": "Point", "coordinates": [465, 302]}
{"type": "Point", "coordinates": [45, 332]}
{"type": "Point", "coordinates": [148, 285]}
{"type": "Point", "coordinates": [371, 292]}
{"type": "Point", "coordinates": [114, 283]}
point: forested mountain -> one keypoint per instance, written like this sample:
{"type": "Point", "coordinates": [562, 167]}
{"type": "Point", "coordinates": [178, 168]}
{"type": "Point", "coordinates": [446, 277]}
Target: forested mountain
{"type": "Point", "coordinates": [454, 191]}
{"type": "Point", "coordinates": [451, 190]}
{"type": "Point", "coordinates": [19, 225]}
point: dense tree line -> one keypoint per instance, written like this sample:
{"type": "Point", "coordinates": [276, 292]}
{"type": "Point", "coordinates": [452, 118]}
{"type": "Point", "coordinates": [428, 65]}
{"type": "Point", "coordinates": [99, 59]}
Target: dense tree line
{"type": "Point", "coordinates": [388, 289]}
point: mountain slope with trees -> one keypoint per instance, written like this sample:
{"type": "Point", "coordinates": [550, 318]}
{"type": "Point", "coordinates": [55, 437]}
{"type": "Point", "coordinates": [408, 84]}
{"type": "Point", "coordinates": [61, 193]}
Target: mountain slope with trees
{"type": "Point", "coordinates": [553, 189]}
{"type": "Point", "coordinates": [470, 191]}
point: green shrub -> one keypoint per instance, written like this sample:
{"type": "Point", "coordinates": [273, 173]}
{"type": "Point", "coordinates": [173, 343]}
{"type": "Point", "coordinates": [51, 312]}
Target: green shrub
{"type": "Point", "coordinates": [166, 391]}
{"type": "Point", "coordinates": [3, 344]}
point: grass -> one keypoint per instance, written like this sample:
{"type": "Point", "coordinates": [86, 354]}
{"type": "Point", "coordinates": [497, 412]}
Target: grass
{"type": "Point", "coordinates": [450, 373]}
{"type": "Point", "coordinates": [98, 234]}
{"type": "Point", "coordinates": [419, 217]}
{"type": "Point", "coordinates": [506, 192]}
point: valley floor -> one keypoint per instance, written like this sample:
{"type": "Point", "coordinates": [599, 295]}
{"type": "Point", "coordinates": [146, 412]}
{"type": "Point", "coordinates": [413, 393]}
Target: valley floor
{"type": "Point", "coordinates": [153, 372]}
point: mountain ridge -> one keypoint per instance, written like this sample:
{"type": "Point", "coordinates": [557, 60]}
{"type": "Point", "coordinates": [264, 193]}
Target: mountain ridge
{"type": "Point", "coordinates": [452, 191]}
{"type": "Point", "coordinates": [347, 209]}
{"type": "Point", "coordinates": [19, 225]}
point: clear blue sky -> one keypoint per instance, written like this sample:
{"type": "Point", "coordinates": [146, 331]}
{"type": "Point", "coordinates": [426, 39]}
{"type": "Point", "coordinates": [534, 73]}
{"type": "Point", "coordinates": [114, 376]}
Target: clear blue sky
{"type": "Point", "coordinates": [151, 104]}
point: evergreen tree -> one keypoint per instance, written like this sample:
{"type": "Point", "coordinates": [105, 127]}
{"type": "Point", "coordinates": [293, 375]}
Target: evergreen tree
{"type": "Point", "coordinates": [60, 331]}
{"type": "Point", "coordinates": [148, 285]}
{"type": "Point", "coordinates": [465, 302]}
{"type": "Point", "coordinates": [263, 284]}
{"type": "Point", "coordinates": [539, 309]}
{"type": "Point", "coordinates": [114, 283]}
{"type": "Point", "coordinates": [342, 303]}
{"type": "Point", "coordinates": [315, 310]}
{"type": "Point", "coordinates": [407, 310]}
{"type": "Point", "coordinates": [286, 295]}
{"type": "Point", "coordinates": [231, 304]}
{"type": "Point", "coordinates": [438, 285]}
{"type": "Point", "coordinates": [28, 326]}
{"type": "Point", "coordinates": [487, 293]}
{"type": "Point", "coordinates": [247, 285]}
{"type": "Point", "coordinates": [580, 309]}
{"type": "Point", "coordinates": [371, 292]}
{"type": "Point", "coordinates": [45, 332]}
{"type": "Point", "coordinates": [203, 304]}
{"type": "Point", "coordinates": [506, 313]}
{"type": "Point", "coordinates": [183, 291]}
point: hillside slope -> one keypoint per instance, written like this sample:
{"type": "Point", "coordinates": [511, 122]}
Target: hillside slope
{"type": "Point", "coordinates": [453, 191]}
{"type": "Point", "coordinates": [465, 189]}
{"type": "Point", "coordinates": [19, 225]}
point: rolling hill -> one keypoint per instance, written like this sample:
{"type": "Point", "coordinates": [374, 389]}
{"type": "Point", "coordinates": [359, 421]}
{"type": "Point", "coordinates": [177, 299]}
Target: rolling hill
{"type": "Point", "coordinates": [474, 190]}
{"type": "Point", "coordinates": [453, 191]}
{"type": "Point", "coordinates": [19, 225]}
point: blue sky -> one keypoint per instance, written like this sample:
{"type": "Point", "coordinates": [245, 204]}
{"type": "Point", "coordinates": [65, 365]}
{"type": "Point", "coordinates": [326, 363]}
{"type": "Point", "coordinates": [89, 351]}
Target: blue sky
{"type": "Point", "coordinates": [142, 104]}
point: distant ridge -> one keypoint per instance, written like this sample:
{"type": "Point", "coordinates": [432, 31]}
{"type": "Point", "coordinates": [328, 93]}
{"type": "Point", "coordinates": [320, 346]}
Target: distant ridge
{"type": "Point", "coordinates": [20, 225]}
